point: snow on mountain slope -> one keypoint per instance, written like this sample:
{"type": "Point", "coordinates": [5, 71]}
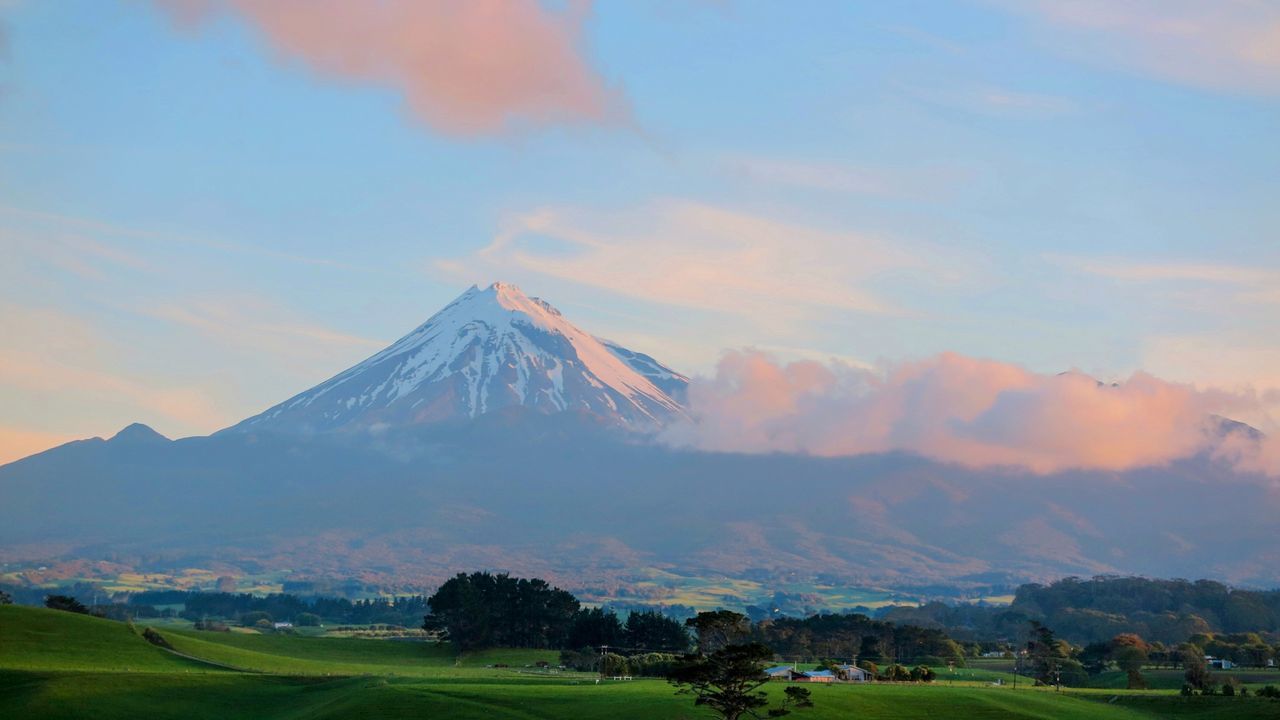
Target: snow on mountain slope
{"type": "Point", "coordinates": [667, 380]}
{"type": "Point", "coordinates": [487, 350]}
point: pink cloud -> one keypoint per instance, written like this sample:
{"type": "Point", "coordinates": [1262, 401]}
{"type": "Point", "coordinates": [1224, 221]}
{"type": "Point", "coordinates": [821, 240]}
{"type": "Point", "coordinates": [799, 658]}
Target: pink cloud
{"type": "Point", "coordinates": [465, 67]}
{"type": "Point", "coordinates": [978, 413]}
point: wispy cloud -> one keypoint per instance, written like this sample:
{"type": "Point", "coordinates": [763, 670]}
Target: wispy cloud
{"type": "Point", "coordinates": [256, 325]}
{"type": "Point", "coordinates": [840, 178]}
{"type": "Point", "coordinates": [706, 258]}
{"type": "Point", "coordinates": [465, 67]}
{"type": "Point", "coordinates": [62, 359]}
{"type": "Point", "coordinates": [58, 227]}
{"type": "Point", "coordinates": [1245, 284]}
{"type": "Point", "coordinates": [78, 352]}
{"type": "Point", "coordinates": [994, 101]}
{"type": "Point", "coordinates": [1003, 98]}
{"type": "Point", "coordinates": [1222, 45]}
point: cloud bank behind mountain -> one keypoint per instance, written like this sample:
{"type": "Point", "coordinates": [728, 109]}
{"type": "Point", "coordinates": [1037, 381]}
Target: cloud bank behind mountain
{"type": "Point", "coordinates": [973, 412]}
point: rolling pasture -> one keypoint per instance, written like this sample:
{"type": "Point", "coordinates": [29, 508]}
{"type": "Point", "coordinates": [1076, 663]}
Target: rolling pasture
{"type": "Point", "coordinates": [62, 665]}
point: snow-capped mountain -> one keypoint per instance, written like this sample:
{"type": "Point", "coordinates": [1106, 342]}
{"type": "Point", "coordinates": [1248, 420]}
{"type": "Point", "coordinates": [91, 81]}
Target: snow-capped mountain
{"type": "Point", "coordinates": [487, 350]}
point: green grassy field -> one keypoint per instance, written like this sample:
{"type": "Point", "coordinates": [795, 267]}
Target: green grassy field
{"type": "Point", "coordinates": [60, 665]}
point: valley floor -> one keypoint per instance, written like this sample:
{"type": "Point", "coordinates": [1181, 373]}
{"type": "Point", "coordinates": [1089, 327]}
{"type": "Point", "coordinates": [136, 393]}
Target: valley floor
{"type": "Point", "coordinates": [60, 665]}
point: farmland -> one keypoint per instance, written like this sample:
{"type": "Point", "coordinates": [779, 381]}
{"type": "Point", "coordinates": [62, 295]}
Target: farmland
{"type": "Point", "coordinates": [62, 665]}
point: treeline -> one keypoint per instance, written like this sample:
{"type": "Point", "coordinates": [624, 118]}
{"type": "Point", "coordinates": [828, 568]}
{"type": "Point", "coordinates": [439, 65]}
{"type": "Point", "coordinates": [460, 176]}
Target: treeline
{"type": "Point", "coordinates": [857, 636]}
{"type": "Point", "coordinates": [280, 607]}
{"type": "Point", "coordinates": [482, 610]}
{"type": "Point", "coordinates": [1098, 609]}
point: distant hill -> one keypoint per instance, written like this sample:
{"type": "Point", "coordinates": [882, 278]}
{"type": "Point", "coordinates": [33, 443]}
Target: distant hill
{"type": "Point", "coordinates": [580, 504]}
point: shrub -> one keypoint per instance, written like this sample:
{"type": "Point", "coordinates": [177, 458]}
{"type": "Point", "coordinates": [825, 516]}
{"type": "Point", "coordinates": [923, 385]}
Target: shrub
{"type": "Point", "coordinates": [653, 664]}
{"type": "Point", "coordinates": [156, 638]}
{"type": "Point", "coordinates": [65, 603]}
{"type": "Point", "coordinates": [251, 619]}
{"type": "Point", "coordinates": [897, 673]}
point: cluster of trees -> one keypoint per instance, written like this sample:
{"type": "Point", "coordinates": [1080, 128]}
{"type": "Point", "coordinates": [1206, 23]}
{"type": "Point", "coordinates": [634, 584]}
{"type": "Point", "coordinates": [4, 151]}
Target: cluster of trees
{"type": "Point", "coordinates": [1126, 651]}
{"type": "Point", "coordinates": [644, 664]}
{"type": "Point", "coordinates": [898, 673]}
{"type": "Point", "coordinates": [856, 635]}
{"type": "Point", "coordinates": [486, 610]}
{"type": "Point", "coordinates": [483, 610]}
{"type": "Point", "coordinates": [1101, 608]}
{"type": "Point", "coordinates": [1054, 661]}
{"type": "Point", "coordinates": [1166, 610]}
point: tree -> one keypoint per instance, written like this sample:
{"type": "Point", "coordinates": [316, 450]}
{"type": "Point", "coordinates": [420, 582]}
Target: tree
{"type": "Point", "coordinates": [922, 673]}
{"type": "Point", "coordinates": [651, 630]}
{"type": "Point", "coordinates": [65, 603]}
{"type": "Point", "coordinates": [728, 680]}
{"type": "Point", "coordinates": [1095, 657]}
{"type": "Point", "coordinates": [593, 627]}
{"type": "Point", "coordinates": [251, 619]}
{"type": "Point", "coordinates": [307, 620]}
{"type": "Point", "coordinates": [1196, 672]}
{"type": "Point", "coordinates": [1129, 652]}
{"type": "Point", "coordinates": [1047, 655]}
{"type": "Point", "coordinates": [5, 599]}
{"type": "Point", "coordinates": [718, 629]}
{"type": "Point", "coordinates": [483, 610]}
{"type": "Point", "coordinates": [871, 649]}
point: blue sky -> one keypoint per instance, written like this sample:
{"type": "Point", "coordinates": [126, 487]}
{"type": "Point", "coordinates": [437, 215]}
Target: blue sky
{"type": "Point", "coordinates": [205, 212]}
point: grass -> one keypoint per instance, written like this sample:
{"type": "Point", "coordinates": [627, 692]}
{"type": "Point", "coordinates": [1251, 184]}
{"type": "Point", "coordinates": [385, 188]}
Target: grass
{"type": "Point", "coordinates": [60, 665]}
{"type": "Point", "coordinates": [32, 639]}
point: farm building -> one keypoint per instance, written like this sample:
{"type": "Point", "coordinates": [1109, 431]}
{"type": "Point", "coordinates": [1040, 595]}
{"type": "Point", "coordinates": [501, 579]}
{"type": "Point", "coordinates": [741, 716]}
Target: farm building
{"type": "Point", "coordinates": [852, 673]}
{"type": "Point", "coordinates": [782, 672]}
{"type": "Point", "coordinates": [817, 676]}
{"type": "Point", "coordinates": [1218, 663]}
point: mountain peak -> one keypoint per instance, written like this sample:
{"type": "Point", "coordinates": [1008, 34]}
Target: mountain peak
{"type": "Point", "coordinates": [487, 350]}
{"type": "Point", "coordinates": [137, 433]}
